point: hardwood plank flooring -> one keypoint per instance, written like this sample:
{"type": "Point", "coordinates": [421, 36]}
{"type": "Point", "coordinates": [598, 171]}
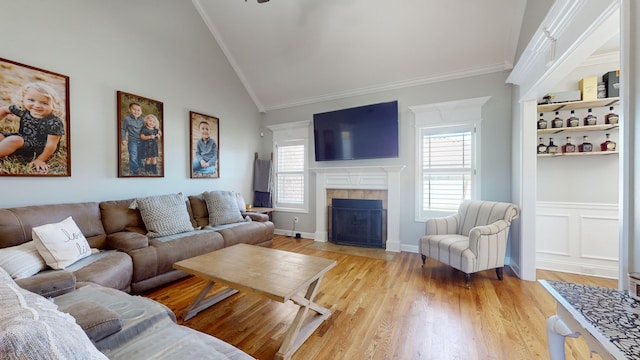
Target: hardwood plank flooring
{"type": "Point", "coordinates": [391, 309]}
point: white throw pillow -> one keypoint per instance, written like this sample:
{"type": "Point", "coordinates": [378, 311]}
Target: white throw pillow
{"type": "Point", "coordinates": [22, 261]}
{"type": "Point", "coordinates": [164, 214]}
{"type": "Point", "coordinates": [222, 207]}
{"type": "Point", "coordinates": [241, 204]}
{"type": "Point", "coordinates": [61, 244]}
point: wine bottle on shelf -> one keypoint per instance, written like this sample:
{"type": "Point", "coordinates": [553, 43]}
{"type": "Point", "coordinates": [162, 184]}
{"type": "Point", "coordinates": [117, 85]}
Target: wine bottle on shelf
{"type": "Point", "coordinates": [552, 148]}
{"type": "Point", "coordinates": [608, 145]}
{"type": "Point", "coordinates": [557, 121]}
{"type": "Point", "coordinates": [542, 123]}
{"type": "Point", "coordinates": [611, 118]}
{"type": "Point", "coordinates": [586, 146]}
{"type": "Point", "coordinates": [568, 147]}
{"type": "Point", "coordinates": [573, 120]}
{"type": "Point", "coordinates": [590, 119]}
{"type": "Point", "coordinates": [542, 148]}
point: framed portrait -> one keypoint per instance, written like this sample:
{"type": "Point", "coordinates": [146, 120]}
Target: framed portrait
{"type": "Point", "coordinates": [140, 136]}
{"type": "Point", "coordinates": [34, 121]}
{"type": "Point", "coordinates": [205, 145]}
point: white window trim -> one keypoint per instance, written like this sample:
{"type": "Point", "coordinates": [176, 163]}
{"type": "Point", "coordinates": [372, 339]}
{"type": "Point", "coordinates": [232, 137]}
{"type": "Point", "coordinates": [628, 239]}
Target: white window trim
{"type": "Point", "coordinates": [447, 115]}
{"type": "Point", "coordinates": [287, 133]}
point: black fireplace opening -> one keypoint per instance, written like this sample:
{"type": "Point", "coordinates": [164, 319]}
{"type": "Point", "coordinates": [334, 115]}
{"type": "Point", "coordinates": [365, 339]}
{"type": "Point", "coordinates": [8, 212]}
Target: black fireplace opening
{"type": "Point", "coordinates": [357, 222]}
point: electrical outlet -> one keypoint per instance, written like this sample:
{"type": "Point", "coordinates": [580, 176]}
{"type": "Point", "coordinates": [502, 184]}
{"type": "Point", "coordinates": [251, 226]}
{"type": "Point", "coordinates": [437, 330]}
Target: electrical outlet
{"type": "Point", "coordinates": [295, 219]}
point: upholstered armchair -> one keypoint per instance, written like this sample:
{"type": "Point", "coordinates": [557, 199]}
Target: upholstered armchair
{"type": "Point", "coordinates": [473, 239]}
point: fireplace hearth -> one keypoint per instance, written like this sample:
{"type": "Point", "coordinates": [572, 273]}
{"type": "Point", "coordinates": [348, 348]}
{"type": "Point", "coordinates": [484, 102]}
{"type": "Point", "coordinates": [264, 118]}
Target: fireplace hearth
{"type": "Point", "coordinates": [357, 222]}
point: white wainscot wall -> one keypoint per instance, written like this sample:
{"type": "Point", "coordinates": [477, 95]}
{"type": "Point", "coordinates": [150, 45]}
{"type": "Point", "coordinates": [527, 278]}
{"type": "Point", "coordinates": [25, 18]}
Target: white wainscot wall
{"type": "Point", "coordinates": [578, 238]}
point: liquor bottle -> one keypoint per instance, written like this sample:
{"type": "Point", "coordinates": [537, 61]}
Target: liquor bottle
{"type": "Point", "coordinates": [557, 121]}
{"type": "Point", "coordinates": [586, 146]}
{"type": "Point", "coordinates": [542, 123]}
{"type": "Point", "coordinates": [568, 147]}
{"type": "Point", "coordinates": [542, 148]}
{"type": "Point", "coordinates": [611, 118]}
{"type": "Point", "coordinates": [552, 148]}
{"type": "Point", "coordinates": [573, 120]}
{"type": "Point", "coordinates": [608, 145]}
{"type": "Point", "coordinates": [590, 119]}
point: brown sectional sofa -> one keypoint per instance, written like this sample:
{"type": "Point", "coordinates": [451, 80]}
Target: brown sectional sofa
{"type": "Point", "coordinates": [131, 262]}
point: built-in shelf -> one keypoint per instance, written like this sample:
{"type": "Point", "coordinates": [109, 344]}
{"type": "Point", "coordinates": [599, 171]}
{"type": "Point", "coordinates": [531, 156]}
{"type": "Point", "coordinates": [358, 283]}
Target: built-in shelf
{"type": "Point", "coordinates": [580, 153]}
{"type": "Point", "coordinates": [572, 105]}
{"type": "Point", "coordinates": [603, 127]}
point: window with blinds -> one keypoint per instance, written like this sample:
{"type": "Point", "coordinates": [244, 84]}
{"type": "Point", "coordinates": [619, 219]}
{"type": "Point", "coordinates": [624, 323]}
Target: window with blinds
{"type": "Point", "coordinates": [290, 174]}
{"type": "Point", "coordinates": [447, 168]}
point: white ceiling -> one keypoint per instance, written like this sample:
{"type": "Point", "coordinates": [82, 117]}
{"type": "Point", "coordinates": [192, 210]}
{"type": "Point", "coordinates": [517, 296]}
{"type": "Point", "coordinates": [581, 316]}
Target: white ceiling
{"type": "Point", "coordinates": [293, 52]}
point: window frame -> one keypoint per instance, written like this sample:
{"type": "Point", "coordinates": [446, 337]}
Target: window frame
{"type": "Point", "coordinates": [291, 134]}
{"type": "Point", "coordinates": [446, 118]}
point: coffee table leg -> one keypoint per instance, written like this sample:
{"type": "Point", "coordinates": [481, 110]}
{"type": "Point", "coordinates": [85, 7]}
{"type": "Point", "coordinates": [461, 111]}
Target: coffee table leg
{"type": "Point", "coordinates": [202, 301]}
{"type": "Point", "coordinates": [302, 326]}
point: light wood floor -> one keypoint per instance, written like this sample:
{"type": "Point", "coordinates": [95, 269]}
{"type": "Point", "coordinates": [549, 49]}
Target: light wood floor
{"type": "Point", "coordinates": [392, 309]}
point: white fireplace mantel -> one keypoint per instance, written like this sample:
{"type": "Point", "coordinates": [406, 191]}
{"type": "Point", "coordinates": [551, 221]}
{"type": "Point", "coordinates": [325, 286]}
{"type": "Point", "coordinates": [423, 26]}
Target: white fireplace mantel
{"type": "Point", "coordinates": [360, 177]}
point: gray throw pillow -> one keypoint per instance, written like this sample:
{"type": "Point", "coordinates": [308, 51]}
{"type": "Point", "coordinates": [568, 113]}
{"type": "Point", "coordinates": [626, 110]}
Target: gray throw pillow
{"type": "Point", "coordinates": [222, 207]}
{"type": "Point", "coordinates": [32, 328]}
{"type": "Point", "coordinates": [164, 214]}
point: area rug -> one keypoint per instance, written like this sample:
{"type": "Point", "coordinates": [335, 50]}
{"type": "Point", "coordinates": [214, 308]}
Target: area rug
{"type": "Point", "coordinates": [379, 254]}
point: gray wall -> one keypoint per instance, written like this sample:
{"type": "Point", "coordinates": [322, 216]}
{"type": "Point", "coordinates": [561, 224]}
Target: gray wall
{"type": "Point", "coordinates": [159, 49]}
{"type": "Point", "coordinates": [496, 143]}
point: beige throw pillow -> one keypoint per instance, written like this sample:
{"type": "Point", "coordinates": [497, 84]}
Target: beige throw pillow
{"type": "Point", "coordinates": [22, 261]}
{"type": "Point", "coordinates": [222, 207]}
{"type": "Point", "coordinates": [60, 244]}
{"type": "Point", "coordinates": [164, 215]}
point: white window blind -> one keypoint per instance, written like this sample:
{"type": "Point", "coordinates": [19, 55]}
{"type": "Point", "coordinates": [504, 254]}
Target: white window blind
{"type": "Point", "coordinates": [290, 174]}
{"type": "Point", "coordinates": [447, 162]}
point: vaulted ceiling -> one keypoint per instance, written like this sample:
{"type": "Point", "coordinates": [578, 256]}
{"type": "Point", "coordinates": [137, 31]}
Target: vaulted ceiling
{"type": "Point", "coordinates": [293, 52]}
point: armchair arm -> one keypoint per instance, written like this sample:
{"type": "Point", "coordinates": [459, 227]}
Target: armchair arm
{"type": "Point", "coordinates": [126, 241]}
{"type": "Point", "coordinates": [487, 239]}
{"type": "Point", "coordinates": [256, 216]}
{"type": "Point", "coordinates": [443, 225]}
{"type": "Point", "coordinates": [49, 283]}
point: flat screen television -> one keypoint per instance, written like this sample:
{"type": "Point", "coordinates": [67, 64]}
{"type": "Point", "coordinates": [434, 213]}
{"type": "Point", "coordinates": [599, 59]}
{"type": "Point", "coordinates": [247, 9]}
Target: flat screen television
{"type": "Point", "coordinates": [364, 132]}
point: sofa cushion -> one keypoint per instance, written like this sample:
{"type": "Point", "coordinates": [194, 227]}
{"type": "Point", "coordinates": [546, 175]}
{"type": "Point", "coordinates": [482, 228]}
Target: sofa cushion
{"type": "Point", "coordinates": [22, 261]}
{"type": "Point", "coordinates": [222, 207]}
{"type": "Point", "coordinates": [96, 320]}
{"type": "Point", "coordinates": [32, 328]}
{"type": "Point", "coordinates": [61, 244]}
{"type": "Point", "coordinates": [164, 214]}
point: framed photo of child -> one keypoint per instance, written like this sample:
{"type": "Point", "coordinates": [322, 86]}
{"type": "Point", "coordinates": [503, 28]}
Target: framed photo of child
{"type": "Point", "coordinates": [34, 121]}
{"type": "Point", "coordinates": [204, 133]}
{"type": "Point", "coordinates": [140, 136]}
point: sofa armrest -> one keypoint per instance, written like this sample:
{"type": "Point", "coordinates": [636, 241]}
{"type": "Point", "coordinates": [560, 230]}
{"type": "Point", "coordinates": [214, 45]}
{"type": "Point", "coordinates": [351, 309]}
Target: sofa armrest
{"type": "Point", "coordinates": [442, 225]}
{"type": "Point", "coordinates": [126, 241]}
{"type": "Point", "coordinates": [480, 236]}
{"type": "Point", "coordinates": [49, 283]}
{"type": "Point", "coordinates": [256, 216]}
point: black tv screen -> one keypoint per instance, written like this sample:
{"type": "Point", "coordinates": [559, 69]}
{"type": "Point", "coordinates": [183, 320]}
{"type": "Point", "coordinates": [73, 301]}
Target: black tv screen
{"type": "Point", "coordinates": [364, 132]}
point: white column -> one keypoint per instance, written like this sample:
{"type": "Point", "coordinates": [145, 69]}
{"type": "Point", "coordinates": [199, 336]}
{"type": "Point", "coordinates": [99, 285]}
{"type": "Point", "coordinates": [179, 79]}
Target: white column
{"type": "Point", "coordinates": [629, 135]}
{"type": "Point", "coordinates": [321, 208]}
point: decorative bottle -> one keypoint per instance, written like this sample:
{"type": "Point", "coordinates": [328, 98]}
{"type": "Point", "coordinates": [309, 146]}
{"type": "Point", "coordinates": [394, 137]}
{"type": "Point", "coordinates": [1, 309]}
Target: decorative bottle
{"type": "Point", "coordinates": [557, 121]}
{"type": "Point", "coordinates": [542, 148]}
{"type": "Point", "coordinates": [586, 146]}
{"type": "Point", "coordinates": [590, 119]}
{"type": "Point", "coordinates": [608, 145]}
{"type": "Point", "coordinates": [611, 118]}
{"type": "Point", "coordinates": [573, 120]}
{"type": "Point", "coordinates": [552, 148]}
{"type": "Point", "coordinates": [568, 147]}
{"type": "Point", "coordinates": [542, 123]}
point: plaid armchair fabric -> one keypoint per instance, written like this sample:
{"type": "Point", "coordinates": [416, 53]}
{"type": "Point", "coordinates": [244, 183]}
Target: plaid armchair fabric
{"type": "Point", "coordinates": [473, 239]}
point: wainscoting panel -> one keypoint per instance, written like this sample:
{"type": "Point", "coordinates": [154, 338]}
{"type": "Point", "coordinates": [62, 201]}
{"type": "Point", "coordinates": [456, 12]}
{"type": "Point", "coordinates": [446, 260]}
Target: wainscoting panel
{"type": "Point", "coordinates": [580, 238]}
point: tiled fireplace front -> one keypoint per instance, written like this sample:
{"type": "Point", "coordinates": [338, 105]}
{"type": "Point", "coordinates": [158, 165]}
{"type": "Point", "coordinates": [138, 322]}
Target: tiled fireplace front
{"type": "Point", "coordinates": [375, 182]}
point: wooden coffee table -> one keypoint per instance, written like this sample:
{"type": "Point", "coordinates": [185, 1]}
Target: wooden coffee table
{"type": "Point", "coordinates": [275, 274]}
